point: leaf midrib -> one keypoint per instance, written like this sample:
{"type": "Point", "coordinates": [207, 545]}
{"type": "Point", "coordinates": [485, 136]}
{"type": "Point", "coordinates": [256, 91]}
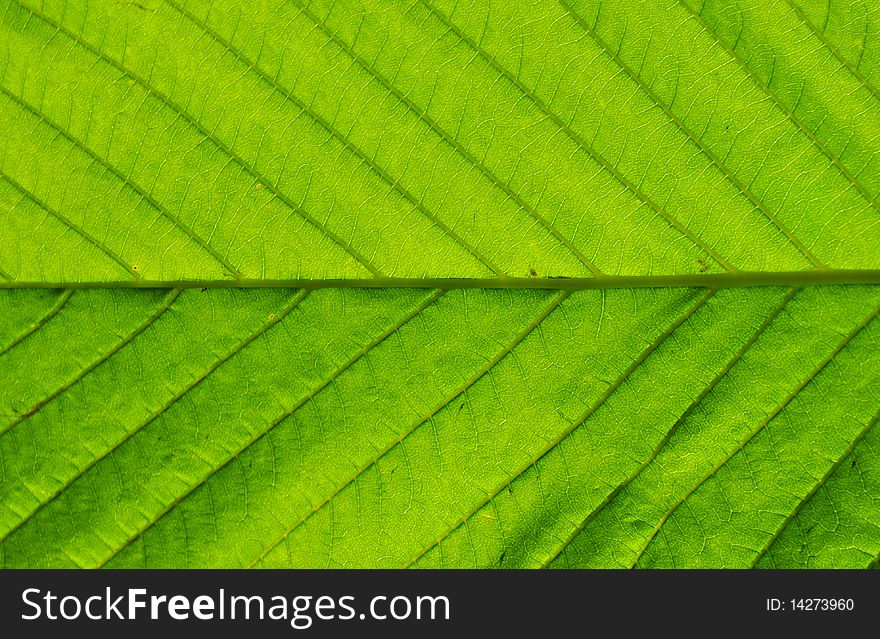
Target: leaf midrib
{"type": "Point", "coordinates": [734, 279]}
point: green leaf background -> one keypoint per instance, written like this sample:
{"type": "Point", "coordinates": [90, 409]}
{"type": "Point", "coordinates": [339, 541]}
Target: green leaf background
{"type": "Point", "coordinates": [368, 283]}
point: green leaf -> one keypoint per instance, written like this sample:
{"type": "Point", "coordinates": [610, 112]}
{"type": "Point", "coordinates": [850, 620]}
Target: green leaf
{"type": "Point", "coordinates": [439, 283]}
{"type": "Point", "coordinates": [171, 140]}
{"type": "Point", "coordinates": [395, 427]}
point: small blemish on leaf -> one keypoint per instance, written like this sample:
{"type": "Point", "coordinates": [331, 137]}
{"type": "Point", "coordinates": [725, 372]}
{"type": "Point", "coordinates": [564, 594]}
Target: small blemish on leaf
{"type": "Point", "coordinates": [143, 7]}
{"type": "Point", "coordinates": [533, 272]}
{"type": "Point", "coordinates": [33, 411]}
{"type": "Point", "coordinates": [204, 289]}
{"type": "Point", "coordinates": [501, 558]}
{"type": "Point", "coordinates": [271, 316]}
{"type": "Point", "coordinates": [259, 186]}
{"type": "Point", "coordinates": [135, 268]}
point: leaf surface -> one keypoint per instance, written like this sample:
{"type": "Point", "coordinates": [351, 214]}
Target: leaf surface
{"type": "Point", "coordinates": [198, 140]}
{"type": "Point", "coordinates": [394, 427]}
{"type": "Point", "coordinates": [439, 283]}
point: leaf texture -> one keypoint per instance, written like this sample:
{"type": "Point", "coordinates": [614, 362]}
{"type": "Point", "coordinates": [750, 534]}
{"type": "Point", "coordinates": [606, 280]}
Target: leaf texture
{"type": "Point", "coordinates": [439, 283]}
{"type": "Point", "coordinates": [178, 140]}
{"type": "Point", "coordinates": [652, 427]}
